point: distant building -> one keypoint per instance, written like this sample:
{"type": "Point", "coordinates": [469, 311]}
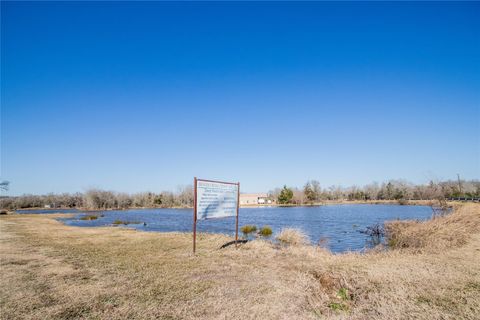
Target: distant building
{"type": "Point", "coordinates": [254, 198]}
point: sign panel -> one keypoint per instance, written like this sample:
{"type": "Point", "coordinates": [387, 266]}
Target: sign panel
{"type": "Point", "coordinates": [216, 199]}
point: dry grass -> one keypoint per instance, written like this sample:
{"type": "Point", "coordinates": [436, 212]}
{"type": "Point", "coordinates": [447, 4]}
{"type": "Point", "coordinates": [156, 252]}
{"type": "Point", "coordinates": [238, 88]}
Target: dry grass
{"type": "Point", "coordinates": [438, 233]}
{"type": "Point", "coordinates": [53, 271]}
{"type": "Point", "coordinates": [292, 236]}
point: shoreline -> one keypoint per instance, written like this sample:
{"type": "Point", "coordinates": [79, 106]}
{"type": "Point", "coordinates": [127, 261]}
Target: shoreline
{"type": "Point", "coordinates": [317, 204]}
{"type": "Point", "coordinates": [347, 202]}
{"type": "Point", "coordinates": [58, 216]}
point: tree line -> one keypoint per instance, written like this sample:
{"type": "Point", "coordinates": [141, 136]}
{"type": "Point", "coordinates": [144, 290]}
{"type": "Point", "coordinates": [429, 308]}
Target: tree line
{"type": "Point", "coordinates": [312, 192]}
{"type": "Point", "coordinates": [96, 199]}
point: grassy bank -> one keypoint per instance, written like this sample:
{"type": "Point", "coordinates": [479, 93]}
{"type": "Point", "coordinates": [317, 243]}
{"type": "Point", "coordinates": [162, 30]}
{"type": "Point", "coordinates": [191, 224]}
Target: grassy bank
{"type": "Point", "coordinates": [49, 270]}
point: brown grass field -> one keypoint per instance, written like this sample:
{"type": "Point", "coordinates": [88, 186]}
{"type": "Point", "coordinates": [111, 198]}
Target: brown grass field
{"type": "Point", "coordinates": [53, 271]}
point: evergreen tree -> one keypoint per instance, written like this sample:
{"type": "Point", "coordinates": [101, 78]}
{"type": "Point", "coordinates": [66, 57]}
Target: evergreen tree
{"type": "Point", "coordinates": [285, 195]}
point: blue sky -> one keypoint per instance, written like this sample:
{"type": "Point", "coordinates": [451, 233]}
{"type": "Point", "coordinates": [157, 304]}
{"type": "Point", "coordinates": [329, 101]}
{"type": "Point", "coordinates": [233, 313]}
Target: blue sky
{"type": "Point", "coordinates": [145, 96]}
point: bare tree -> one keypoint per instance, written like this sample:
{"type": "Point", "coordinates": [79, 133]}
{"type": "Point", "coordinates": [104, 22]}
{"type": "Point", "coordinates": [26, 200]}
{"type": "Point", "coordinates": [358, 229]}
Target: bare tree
{"type": "Point", "coordinates": [371, 191]}
{"type": "Point", "coordinates": [311, 191]}
{"type": "Point", "coordinates": [101, 199]}
{"type": "Point", "coordinates": [185, 196]}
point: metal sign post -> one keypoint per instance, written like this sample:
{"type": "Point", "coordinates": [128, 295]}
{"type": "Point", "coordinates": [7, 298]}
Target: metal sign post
{"type": "Point", "coordinates": [215, 199]}
{"type": "Point", "coordinates": [194, 213]}
{"type": "Point", "coordinates": [236, 219]}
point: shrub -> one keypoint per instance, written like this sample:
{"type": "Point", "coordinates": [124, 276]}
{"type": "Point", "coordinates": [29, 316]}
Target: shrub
{"type": "Point", "coordinates": [247, 229]}
{"type": "Point", "coordinates": [265, 231]}
{"type": "Point", "coordinates": [292, 236]}
{"type": "Point", "coordinates": [125, 222]}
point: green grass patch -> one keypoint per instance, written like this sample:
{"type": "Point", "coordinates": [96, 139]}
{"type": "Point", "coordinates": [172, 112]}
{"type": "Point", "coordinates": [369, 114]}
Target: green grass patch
{"type": "Point", "coordinates": [343, 294]}
{"type": "Point", "coordinates": [336, 306]}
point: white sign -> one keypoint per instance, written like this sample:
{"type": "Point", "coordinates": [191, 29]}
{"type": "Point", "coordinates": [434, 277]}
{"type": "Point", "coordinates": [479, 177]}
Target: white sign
{"type": "Point", "coordinates": [216, 199]}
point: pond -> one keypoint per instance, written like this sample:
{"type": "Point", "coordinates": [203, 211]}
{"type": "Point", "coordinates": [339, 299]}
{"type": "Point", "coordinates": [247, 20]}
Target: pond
{"type": "Point", "coordinates": [338, 226]}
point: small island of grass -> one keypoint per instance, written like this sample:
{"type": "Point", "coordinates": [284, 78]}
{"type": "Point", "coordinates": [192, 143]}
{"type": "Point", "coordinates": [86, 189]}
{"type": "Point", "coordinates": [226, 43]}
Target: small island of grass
{"type": "Point", "coordinates": [124, 222]}
{"type": "Point", "coordinates": [89, 217]}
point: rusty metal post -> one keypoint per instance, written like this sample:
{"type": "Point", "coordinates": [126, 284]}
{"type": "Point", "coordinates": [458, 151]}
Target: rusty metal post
{"type": "Point", "coordinates": [236, 222]}
{"type": "Point", "coordinates": [194, 213]}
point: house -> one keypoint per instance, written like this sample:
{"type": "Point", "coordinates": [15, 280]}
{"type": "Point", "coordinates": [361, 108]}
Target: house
{"type": "Point", "coordinates": [254, 198]}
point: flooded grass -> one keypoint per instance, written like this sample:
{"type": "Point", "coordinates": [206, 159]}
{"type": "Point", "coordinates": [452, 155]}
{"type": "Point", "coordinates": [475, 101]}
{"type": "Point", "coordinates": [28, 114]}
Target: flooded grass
{"type": "Point", "coordinates": [248, 229]}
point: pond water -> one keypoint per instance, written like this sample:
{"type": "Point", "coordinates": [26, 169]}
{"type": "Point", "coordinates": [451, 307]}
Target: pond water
{"type": "Point", "coordinates": [338, 226]}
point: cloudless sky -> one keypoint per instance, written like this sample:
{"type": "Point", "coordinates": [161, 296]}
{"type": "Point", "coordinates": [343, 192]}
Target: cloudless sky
{"type": "Point", "coordinates": [144, 96]}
